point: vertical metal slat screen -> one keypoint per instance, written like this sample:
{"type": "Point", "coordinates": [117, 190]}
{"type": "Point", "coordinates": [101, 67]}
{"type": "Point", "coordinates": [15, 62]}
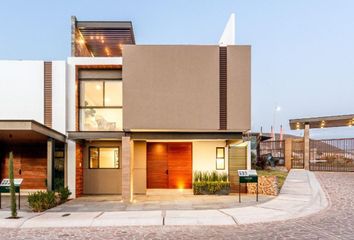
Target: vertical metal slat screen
{"type": "Point", "coordinates": [48, 94]}
{"type": "Point", "coordinates": [223, 88]}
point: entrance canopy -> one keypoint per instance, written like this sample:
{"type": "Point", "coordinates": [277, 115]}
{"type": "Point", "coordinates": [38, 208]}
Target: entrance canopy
{"type": "Point", "coordinates": [27, 131]}
{"type": "Point", "coordinates": [322, 122]}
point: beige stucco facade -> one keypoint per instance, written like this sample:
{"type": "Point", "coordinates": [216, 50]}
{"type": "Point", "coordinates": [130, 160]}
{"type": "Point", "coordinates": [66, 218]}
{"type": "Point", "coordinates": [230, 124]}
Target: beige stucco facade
{"type": "Point", "coordinates": [177, 87]}
{"type": "Point", "coordinates": [239, 88]}
{"type": "Point", "coordinates": [204, 155]}
{"type": "Point", "coordinates": [101, 181]}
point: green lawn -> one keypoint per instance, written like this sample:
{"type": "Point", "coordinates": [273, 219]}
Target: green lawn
{"type": "Point", "coordinates": [280, 174]}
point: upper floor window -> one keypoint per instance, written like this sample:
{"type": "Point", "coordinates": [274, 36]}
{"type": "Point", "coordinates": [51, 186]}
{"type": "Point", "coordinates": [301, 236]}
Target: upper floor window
{"type": "Point", "coordinates": [100, 100]}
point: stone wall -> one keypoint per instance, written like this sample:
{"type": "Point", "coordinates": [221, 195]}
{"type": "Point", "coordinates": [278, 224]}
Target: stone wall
{"type": "Point", "coordinates": [267, 185]}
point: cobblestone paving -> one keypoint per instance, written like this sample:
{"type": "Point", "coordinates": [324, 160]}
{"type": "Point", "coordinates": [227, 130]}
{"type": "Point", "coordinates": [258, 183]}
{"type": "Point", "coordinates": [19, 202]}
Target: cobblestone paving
{"type": "Point", "coordinates": [335, 222]}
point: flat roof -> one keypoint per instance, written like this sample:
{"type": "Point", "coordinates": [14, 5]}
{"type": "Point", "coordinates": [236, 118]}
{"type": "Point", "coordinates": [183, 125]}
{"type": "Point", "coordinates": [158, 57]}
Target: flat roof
{"type": "Point", "coordinates": [323, 122]}
{"type": "Point", "coordinates": [106, 38]}
{"type": "Point", "coordinates": [27, 130]}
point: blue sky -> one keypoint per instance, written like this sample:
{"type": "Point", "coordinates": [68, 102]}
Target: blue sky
{"type": "Point", "coordinates": [302, 51]}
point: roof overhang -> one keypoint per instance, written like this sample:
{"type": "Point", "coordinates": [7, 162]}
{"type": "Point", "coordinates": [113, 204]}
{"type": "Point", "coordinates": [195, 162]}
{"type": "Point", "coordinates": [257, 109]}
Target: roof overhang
{"type": "Point", "coordinates": [185, 135]}
{"type": "Point", "coordinates": [323, 122]}
{"type": "Point", "coordinates": [95, 135]}
{"type": "Point", "coordinates": [26, 131]}
{"type": "Point", "coordinates": [106, 38]}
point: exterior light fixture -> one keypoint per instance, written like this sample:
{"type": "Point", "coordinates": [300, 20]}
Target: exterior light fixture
{"type": "Point", "coordinates": [220, 158]}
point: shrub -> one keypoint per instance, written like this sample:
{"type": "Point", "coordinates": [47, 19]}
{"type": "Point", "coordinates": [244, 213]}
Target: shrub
{"type": "Point", "coordinates": [211, 183]}
{"type": "Point", "coordinates": [214, 176]}
{"type": "Point", "coordinates": [197, 176]}
{"type": "Point", "coordinates": [63, 194]}
{"type": "Point", "coordinates": [41, 200]}
{"type": "Point", "coordinates": [205, 176]}
{"type": "Point", "coordinates": [206, 188]}
{"type": "Point", "coordinates": [224, 177]}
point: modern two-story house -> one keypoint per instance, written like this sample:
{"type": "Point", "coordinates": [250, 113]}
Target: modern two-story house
{"type": "Point", "coordinates": [123, 118]}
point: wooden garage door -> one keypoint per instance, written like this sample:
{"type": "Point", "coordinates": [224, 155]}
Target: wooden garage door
{"type": "Point", "coordinates": [169, 165]}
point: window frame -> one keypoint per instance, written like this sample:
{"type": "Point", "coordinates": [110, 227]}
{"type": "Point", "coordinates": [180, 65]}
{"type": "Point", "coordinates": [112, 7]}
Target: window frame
{"type": "Point", "coordinates": [99, 147]}
{"type": "Point", "coordinates": [80, 107]}
{"type": "Point", "coordinates": [219, 158]}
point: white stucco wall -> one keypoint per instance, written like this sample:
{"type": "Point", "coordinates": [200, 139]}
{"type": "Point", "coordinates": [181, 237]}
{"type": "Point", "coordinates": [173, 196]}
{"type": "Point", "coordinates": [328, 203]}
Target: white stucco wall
{"type": "Point", "coordinates": [204, 155]}
{"type": "Point", "coordinates": [70, 82]}
{"type": "Point", "coordinates": [21, 90]}
{"type": "Point", "coordinates": [58, 96]}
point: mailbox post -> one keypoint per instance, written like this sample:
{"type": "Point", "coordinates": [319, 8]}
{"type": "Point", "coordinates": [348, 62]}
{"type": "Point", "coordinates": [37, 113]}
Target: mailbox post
{"type": "Point", "coordinates": [247, 176]}
{"type": "Point", "coordinates": [5, 188]}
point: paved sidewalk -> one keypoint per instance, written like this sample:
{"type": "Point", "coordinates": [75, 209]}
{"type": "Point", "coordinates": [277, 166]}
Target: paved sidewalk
{"type": "Point", "coordinates": [301, 195]}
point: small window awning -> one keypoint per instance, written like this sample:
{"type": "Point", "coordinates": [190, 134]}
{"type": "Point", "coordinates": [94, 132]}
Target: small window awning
{"type": "Point", "coordinates": [323, 122]}
{"type": "Point", "coordinates": [26, 131]}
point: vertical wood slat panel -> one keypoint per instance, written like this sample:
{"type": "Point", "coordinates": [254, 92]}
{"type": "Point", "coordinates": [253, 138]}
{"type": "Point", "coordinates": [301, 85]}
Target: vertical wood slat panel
{"type": "Point", "coordinates": [237, 161]}
{"type": "Point", "coordinates": [48, 94]}
{"type": "Point", "coordinates": [223, 88]}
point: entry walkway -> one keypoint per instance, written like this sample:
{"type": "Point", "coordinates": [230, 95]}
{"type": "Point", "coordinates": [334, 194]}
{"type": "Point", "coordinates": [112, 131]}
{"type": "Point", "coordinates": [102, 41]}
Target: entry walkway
{"type": "Point", "coordinates": [301, 195]}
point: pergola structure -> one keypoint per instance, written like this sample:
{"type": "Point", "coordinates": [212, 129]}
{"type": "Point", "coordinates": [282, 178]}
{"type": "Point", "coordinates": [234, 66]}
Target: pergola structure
{"type": "Point", "coordinates": [100, 38]}
{"type": "Point", "coordinates": [318, 122]}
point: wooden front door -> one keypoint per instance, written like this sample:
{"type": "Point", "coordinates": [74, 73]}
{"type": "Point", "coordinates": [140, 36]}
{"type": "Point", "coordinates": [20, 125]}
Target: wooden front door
{"type": "Point", "coordinates": [169, 165]}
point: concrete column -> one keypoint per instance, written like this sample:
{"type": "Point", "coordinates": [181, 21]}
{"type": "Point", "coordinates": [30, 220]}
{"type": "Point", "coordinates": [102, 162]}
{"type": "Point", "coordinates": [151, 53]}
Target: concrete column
{"type": "Point", "coordinates": [127, 169]}
{"type": "Point", "coordinates": [50, 149]}
{"type": "Point", "coordinates": [307, 146]}
{"type": "Point", "coordinates": [71, 167]}
{"type": "Point", "coordinates": [288, 151]}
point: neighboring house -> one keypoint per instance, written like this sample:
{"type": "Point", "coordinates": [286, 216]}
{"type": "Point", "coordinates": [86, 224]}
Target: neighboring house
{"type": "Point", "coordinates": [121, 118]}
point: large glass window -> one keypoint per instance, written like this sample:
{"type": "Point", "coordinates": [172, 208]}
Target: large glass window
{"type": "Point", "coordinates": [104, 157]}
{"type": "Point", "coordinates": [101, 103]}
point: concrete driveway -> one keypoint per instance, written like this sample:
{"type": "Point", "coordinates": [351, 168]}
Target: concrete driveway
{"type": "Point", "coordinates": [301, 195]}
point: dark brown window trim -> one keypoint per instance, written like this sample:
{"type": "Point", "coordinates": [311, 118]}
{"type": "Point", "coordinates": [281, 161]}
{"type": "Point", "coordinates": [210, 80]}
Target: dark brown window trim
{"type": "Point", "coordinates": [89, 156]}
{"type": "Point", "coordinates": [77, 85]}
{"type": "Point", "coordinates": [223, 149]}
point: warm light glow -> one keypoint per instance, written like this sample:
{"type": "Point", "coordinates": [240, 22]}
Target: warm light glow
{"type": "Point", "coordinates": [108, 100]}
{"type": "Point", "coordinates": [278, 108]}
{"type": "Point", "coordinates": [108, 52]}
{"type": "Point", "coordinates": [180, 186]}
{"type": "Point", "coordinates": [81, 41]}
{"type": "Point", "coordinates": [98, 87]}
{"type": "Point", "coordinates": [350, 125]}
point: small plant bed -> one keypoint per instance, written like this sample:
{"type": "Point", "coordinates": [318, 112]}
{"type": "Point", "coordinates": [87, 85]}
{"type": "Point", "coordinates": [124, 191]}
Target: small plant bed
{"type": "Point", "coordinates": [43, 200]}
{"type": "Point", "coordinates": [280, 174]}
{"type": "Point", "coordinates": [211, 183]}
